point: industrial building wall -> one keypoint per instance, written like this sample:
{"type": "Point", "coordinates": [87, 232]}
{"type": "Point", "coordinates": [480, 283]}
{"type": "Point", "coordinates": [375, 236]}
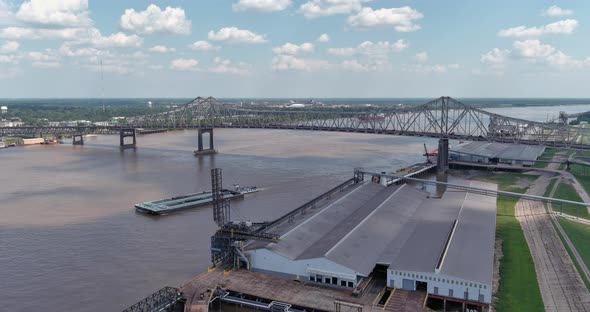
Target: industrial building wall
{"type": "Point", "coordinates": [469, 158]}
{"type": "Point", "coordinates": [268, 261]}
{"type": "Point", "coordinates": [441, 285]}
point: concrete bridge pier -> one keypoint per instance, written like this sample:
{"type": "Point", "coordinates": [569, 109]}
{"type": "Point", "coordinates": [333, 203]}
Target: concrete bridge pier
{"type": "Point", "coordinates": [78, 139]}
{"type": "Point", "coordinates": [443, 155]}
{"type": "Point", "coordinates": [127, 133]}
{"type": "Point", "coordinates": [200, 150]}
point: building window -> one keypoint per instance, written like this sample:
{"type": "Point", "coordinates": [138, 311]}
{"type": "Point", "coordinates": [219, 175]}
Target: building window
{"type": "Point", "coordinates": [312, 278]}
{"type": "Point", "coordinates": [334, 281]}
{"type": "Point", "coordinates": [319, 278]}
{"type": "Point", "coordinates": [436, 290]}
{"type": "Point", "coordinates": [466, 294]}
{"type": "Point", "coordinates": [450, 293]}
{"type": "Point", "coordinates": [327, 280]}
{"type": "Point", "coordinates": [343, 283]}
{"type": "Point", "coordinates": [350, 284]}
{"type": "Point", "coordinates": [484, 287]}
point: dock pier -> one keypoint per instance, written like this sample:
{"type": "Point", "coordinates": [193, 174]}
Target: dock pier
{"type": "Point", "coordinates": [270, 292]}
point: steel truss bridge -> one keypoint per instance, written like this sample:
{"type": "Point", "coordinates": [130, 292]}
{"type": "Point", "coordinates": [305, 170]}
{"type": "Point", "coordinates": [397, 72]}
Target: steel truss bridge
{"type": "Point", "coordinates": [442, 117]}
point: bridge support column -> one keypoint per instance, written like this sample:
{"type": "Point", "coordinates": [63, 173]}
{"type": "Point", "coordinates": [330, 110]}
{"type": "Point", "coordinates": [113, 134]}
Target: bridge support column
{"type": "Point", "coordinates": [78, 139]}
{"type": "Point", "coordinates": [443, 155]}
{"type": "Point", "coordinates": [127, 133]}
{"type": "Point", "coordinates": [200, 150]}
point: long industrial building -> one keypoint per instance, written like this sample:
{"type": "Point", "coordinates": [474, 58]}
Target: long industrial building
{"type": "Point", "coordinates": [494, 153]}
{"type": "Point", "coordinates": [400, 234]}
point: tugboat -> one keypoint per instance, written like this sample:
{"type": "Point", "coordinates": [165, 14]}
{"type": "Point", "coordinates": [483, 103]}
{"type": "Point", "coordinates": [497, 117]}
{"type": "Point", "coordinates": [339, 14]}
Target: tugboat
{"type": "Point", "coordinates": [245, 189]}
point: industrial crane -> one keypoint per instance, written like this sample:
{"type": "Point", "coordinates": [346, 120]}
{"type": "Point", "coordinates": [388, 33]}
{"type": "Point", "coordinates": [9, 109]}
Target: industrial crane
{"type": "Point", "coordinates": [227, 242]}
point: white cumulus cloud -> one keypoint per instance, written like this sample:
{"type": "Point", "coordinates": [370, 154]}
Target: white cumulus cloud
{"type": "Point", "coordinates": [421, 56]}
{"type": "Point", "coordinates": [292, 63]}
{"type": "Point", "coordinates": [236, 35]}
{"type": "Point", "coordinates": [161, 49]}
{"type": "Point", "coordinates": [318, 8]}
{"type": "Point", "coordinates": [48, 55]}
{"type": "Point", "coordinates": [323, 38]}
{"type": "Point", "coordinates": [539, 53]}
{"type": "Point", "coordinates": [6, 15]}
{"type": "Point", "coordinates": [495, 56]}
{"type": "Point", "coordinates": [117, 40]}
{"type": "Point", "coordinates": [24, 33]}
{"type": "Point", "coordinates": [566, 27]}
{"type": "Point", "coordinates": [371, 48]}
{"type": "Point", "coordinates": [293, 49]}
{"type": "Point", "coordinates": [224, 66]}
{"type": "Point", "coordinates": [184, 64]}
{"type": "Point", "coordinates": [431, 69]}
{"type": "Point", "coordinates": [9, 47]}
{"type": "Point", "coordinates": [70, 51]}
{"type": "Point", "coordinates": [155, 20]}
{"type": "Point", "coordinates": [262, 5]}
{"type": "Point", "coordinates": [202, 45]}
{"type": "Point", "coordinates": [557, 11]}
{"type": "Point", "coordinates": [46, 65]}
{"type": "Point", "coordinates": [532, 49]}
{"type": "Point", "coordinates": [55, 13]}
{"type": "Point", "coordinates": [8, 59]}
{"type": "Point", "coordinates": [369, 55]}
{"type": "Point", "coordinates": [401, 19]}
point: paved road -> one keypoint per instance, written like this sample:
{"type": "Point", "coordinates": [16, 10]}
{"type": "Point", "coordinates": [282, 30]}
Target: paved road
{"type": "Point", "coordinates": [561, 286]}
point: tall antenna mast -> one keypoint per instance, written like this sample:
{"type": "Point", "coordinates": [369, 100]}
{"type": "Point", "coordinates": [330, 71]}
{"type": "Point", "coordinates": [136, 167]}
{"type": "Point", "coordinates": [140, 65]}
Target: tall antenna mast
{"type": "Point", "coordinates": [101, 87]}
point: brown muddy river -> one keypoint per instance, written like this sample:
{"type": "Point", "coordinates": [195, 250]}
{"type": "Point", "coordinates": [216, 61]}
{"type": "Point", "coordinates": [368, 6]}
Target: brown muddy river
{"type": "Point", "coordinates": [70, 238]}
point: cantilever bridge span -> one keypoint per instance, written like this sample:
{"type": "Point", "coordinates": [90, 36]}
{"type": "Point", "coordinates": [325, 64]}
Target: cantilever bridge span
{"type": "Point", "coordinates": [442, 117]}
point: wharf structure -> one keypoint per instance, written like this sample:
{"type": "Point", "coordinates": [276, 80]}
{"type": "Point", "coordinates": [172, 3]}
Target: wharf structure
{"type": "Point", "coordinates": [395, 235]}
{"type": "Point", "coordinates": [366, 247]}
{"type": "Point", "coordinates": [496, 153]}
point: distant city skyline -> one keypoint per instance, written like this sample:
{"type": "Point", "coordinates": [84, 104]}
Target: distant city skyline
{"type": "Point", "coordinates": [294, 49]}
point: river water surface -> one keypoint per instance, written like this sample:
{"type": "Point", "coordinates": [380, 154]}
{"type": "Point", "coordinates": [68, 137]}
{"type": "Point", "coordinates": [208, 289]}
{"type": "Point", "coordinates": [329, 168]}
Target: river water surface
{"type": "Point", "coordinates": [70, 238]}
{"type": "Point", "coordinates": [69, 235]}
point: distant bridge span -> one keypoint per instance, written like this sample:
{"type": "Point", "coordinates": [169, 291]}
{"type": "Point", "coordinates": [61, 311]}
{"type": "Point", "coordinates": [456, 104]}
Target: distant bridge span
{"type": "Point", "coordinates": [442, 117]}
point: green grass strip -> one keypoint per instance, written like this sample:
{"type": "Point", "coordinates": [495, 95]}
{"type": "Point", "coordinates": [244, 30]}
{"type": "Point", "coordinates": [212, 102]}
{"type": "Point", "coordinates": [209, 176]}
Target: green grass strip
{"type": "Point", "coordinates": [568, 192]}
{"type": "Point", "coordinates": [579, 235]}
{"type": "Point", "coordinates": [519, 290]}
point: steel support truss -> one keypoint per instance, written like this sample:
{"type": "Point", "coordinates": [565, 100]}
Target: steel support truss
{"type": "Point", "coordinates": [162, 300]}
{"type": "Point", "coordinates": [442, 117]}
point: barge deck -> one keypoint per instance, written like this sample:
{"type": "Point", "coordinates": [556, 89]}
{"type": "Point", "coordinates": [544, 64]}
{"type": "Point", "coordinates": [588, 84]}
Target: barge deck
{"type": "Point", "coordinates": [174, 204]}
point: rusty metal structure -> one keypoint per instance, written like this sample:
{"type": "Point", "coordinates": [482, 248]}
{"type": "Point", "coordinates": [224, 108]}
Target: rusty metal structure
{"type": "Point", "coordinates": [441, 117]}
{"type": "Point", "coordinates": [226, 243]}
{"type": "Point", "coordinates": [165, 299]}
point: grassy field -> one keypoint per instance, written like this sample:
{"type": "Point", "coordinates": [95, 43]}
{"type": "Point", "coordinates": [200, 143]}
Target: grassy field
{"type": "Point", "coordinates": [550, 187]}
{"type": "Point", "coordinates": [582, 173]}
{"type": "Point", "coordinates": [547, 155]}
{"type": "Point", "coordinates": [519, 290]}
{"type": "Point", "coordinates": [566, 191]}
{"type": "Point", "coordinates": [579, 234]}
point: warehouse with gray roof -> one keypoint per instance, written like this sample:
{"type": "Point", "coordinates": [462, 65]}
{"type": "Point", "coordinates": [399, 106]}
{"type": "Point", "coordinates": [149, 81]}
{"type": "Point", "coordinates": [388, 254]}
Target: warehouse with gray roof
{"type": "Point", "coordinates": [494, 153]}
{"type": "Point", "coordinates": [444, 246]}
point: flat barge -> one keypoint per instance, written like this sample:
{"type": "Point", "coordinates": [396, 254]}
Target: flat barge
{"type": "Point", "coordinates": [178, 203]}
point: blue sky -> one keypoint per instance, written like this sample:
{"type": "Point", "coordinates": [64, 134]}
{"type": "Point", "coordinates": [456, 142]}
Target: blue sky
{"type": "Point", "coordinates": [294, 48]}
